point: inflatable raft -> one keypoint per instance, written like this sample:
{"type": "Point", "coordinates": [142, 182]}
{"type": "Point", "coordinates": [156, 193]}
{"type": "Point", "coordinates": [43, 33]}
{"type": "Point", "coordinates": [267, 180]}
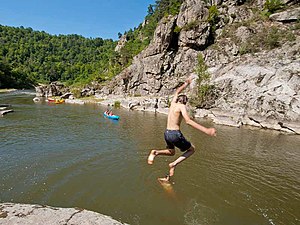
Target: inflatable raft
{"type": "Point", "coordinates": [113, 117]}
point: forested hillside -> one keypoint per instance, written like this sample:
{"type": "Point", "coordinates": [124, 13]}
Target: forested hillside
{"type": "Point", "coordinates": [43, 57]}
{"type": "Point", "coordinates": [37, 57]}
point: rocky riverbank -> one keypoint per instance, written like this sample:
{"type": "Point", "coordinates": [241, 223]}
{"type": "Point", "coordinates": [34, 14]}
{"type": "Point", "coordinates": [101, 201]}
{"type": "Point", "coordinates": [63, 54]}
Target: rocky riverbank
{"type": "Point", "coordinates": [235, 117]}
{"type": "Point", "coordinates": [25, 214]}
{"type": "Point", "coordinates": [160, 105]}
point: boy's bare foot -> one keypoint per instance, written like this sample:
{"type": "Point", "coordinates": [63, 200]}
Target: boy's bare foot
{"type": "Point", "coordinates": [164, 179]}
{"type": "Point", "coordinates": [172, 169]}
{"type": "Point", "coordinates": [151, 157]}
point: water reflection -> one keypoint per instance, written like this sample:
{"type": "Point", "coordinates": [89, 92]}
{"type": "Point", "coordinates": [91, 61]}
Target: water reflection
{"type": "Point", "coordinates": [70, 155]}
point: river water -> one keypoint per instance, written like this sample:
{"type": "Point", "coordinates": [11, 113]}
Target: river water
{"type": "Point", "coordinates": [71, 156]}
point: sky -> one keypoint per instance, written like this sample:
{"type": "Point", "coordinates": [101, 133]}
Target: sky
{"type": "Point", "coordinates": [89, 18]}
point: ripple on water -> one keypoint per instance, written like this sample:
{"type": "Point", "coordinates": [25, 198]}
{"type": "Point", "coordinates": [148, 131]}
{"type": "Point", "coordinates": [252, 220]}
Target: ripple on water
{"type": "Point", "coordinates": [198, 213]}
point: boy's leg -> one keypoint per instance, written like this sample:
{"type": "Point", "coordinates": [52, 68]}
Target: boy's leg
{"type": "Point", "coordinates": [153, 153]}
{"type": "Point", "coordinates": [181, 158]}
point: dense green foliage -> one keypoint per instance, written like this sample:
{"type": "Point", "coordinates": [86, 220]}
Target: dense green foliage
{"type": "Point", "coordinates": [213, 17]}
{"type": "Point", "coordinates": [13, 79]}
{"type": "Point", "coordinates": [44, 57]}
{"type": "Point", "coordinates": [272, 6]}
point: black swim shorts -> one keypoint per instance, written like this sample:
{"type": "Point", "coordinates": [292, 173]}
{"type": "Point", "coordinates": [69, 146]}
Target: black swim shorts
{"type": "Point", "coordinates": [175, 138]}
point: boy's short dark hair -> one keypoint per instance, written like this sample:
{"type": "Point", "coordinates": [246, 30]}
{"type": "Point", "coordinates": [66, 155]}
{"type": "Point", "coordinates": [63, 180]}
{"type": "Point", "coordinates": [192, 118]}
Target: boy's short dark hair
{"type": "Point", "coordinates": [183, 99]}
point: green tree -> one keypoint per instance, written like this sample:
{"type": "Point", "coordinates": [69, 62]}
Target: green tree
{"type": "Point", "coordinates": [205, 91]}
{"type": "Point", "coordinates": [272, 6]}
{"type": "Point", "coordinates": [213, 18]}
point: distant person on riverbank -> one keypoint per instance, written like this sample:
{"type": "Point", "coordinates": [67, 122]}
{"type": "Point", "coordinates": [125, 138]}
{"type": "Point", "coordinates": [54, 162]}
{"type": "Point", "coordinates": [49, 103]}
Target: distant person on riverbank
{"type": "Point", "coordinates": [109, 110]}
{"type": "Point", "coordinates": [156, 105]}
{"type": "Point", "coordinates": [173, 136]}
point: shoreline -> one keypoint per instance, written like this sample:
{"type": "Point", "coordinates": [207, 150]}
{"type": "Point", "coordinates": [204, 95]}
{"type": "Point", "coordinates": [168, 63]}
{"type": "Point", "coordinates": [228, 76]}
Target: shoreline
{"type": "Point", "coordinates": [217, 116]}
{"type": "Point", "coordinates": [157, 104]}
{"type": "Point", "coordinates": [4, 90]}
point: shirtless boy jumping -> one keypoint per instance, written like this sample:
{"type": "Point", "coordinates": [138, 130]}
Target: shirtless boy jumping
{"type": "Point", "coordinates": [173, 136]}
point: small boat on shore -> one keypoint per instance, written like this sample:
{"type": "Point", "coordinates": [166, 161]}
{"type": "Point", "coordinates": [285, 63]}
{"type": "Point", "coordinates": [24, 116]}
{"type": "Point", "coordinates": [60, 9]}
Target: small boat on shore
{"type": "Point", "coordinates": [55, 100]}
{"type": "Point", "coordinates": [59, 101]}
{"type": "Point", "coordinates": [113, 117]}
{"type": "Point", "coordinates": [50, 99]}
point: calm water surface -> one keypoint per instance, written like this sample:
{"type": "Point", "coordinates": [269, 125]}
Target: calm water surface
{"type": "Point", "coordinates": [70, 156]}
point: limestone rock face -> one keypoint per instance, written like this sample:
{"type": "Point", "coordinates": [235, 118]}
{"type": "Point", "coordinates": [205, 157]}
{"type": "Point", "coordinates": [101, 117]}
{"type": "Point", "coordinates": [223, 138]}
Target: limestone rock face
{"type": "Point", "coordinates": [162, 37]}
{"type": "Point", "coordinates": [158, 69]}
{"type": "Point", "coordinates": [152, 69]}
{"type": "Point", "coordinates": [192, 20]}
{"type": "Point", "coordinates": [263, 87]}
{"type": "Point", "coordinates": [121, 43]}
{"type": "Point", "coordinates": [53, 89]}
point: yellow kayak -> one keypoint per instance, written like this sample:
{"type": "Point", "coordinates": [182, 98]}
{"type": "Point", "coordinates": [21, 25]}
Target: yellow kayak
{"type": "Point", "coordinates": [59, 101]}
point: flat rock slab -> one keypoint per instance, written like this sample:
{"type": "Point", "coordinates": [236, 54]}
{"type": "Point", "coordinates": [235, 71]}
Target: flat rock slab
{"type": "Point", "coordinates": [25, 214]}
{"type": "Point", "coordinates": [6, 111]}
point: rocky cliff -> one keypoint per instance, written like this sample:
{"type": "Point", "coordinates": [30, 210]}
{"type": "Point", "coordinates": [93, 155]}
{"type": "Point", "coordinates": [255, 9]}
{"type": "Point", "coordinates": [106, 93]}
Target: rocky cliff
{"type": "Point", "coordinates": [253, 61]}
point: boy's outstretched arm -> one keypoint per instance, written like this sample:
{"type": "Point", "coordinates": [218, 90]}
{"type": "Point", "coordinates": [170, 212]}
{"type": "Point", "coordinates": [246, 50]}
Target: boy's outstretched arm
{"type": "Point", "coordinates": [181, 88]}
{"type": "Point", "coordinates": [209, 131]}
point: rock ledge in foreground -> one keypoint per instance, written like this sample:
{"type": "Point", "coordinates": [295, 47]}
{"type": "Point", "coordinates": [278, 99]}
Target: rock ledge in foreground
{"type": "Point", "coordinates": [25, 214]}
